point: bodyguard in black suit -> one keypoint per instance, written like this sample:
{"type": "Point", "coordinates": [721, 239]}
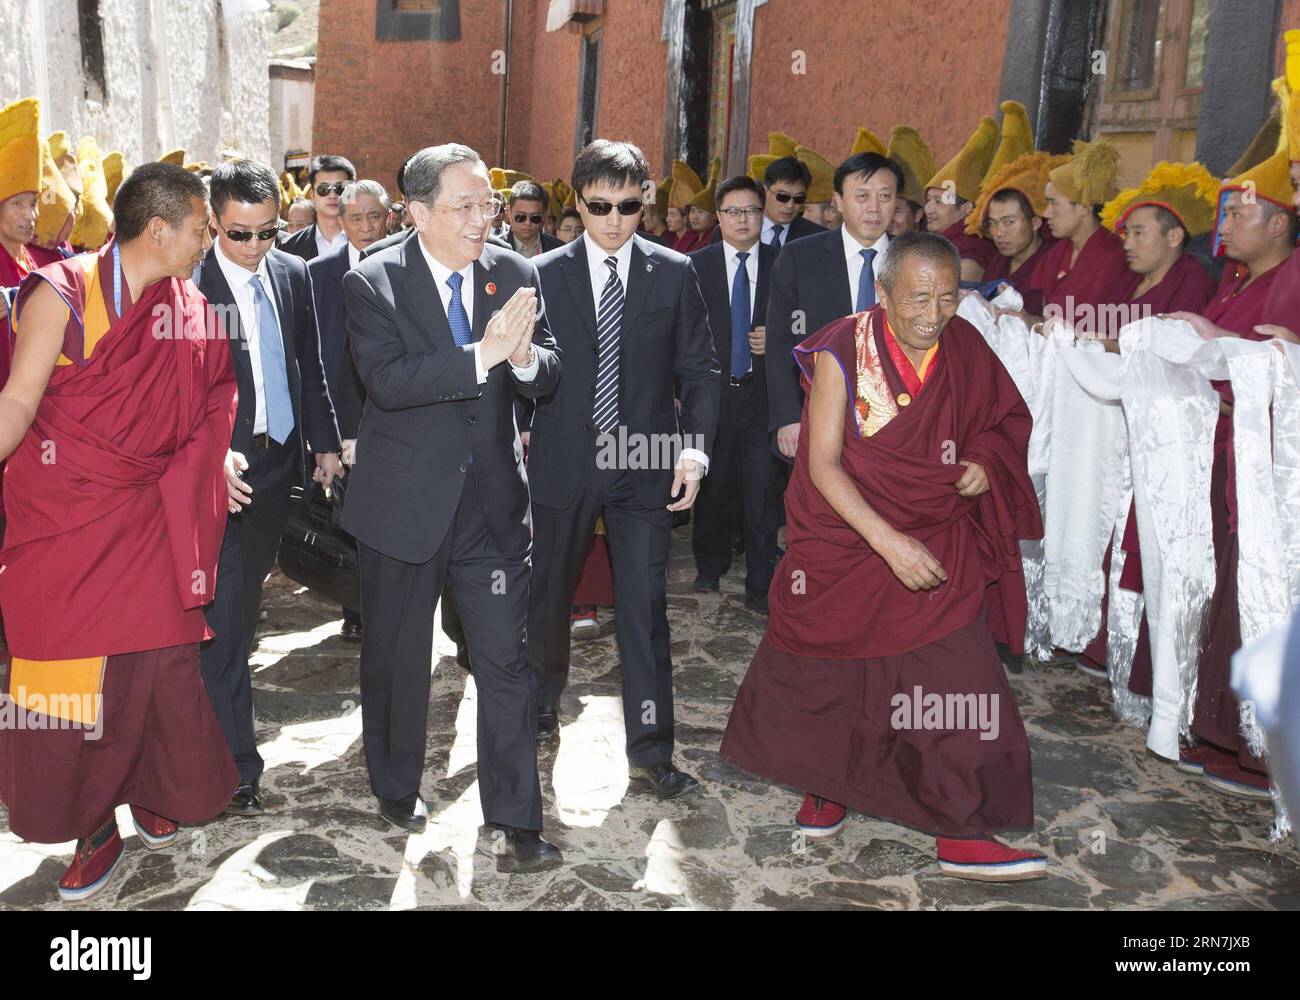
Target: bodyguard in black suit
{"type": "Point", "coordinates": [785, 189]}
{"type": "Point", "coordinates": [327, 177]}
{"type": "Point", "coordinates": [630, 319]}
{"type": "Point", "coordinates": [444, 332]}
{"type": "Point", "coordinates": [824, 277]}
{"type": "Point", "coordinates": [264, 298]}
{"type": "Point", "coordinates": [734, 277]}
{"type": "Point", "coordinates": [526, 212]}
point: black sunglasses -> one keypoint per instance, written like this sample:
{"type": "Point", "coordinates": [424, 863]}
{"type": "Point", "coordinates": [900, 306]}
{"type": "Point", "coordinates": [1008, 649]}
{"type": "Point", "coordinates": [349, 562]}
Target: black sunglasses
{"type": "Point", "coordinates": [244, 235]}
{"type": "Point", "coordinates": [536, 220]}
{"type": "Point", "coordinates": [629, 207]}
{"type": "Point", "coordinates": [325, 190]}
{"type": "Point", "coordinates": [784, 196]}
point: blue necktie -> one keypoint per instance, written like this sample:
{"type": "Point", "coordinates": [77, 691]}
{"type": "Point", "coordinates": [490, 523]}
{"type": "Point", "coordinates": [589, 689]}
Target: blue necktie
{"type": "Point", "coordinates": [609, 323]}
{"type": "Point", "coordinates": [740, 363]}
{"type": "Point", "coordinates": [456, 315]}
{"type": "Point", "coordinates": [776, 238]}
{"type": "Point", "coordinates": [866, 282]}
{"type": "Point", "coordinates": [275, 376]}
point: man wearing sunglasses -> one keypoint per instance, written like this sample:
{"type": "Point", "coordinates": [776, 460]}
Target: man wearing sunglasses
{"type": "Point", "coordinates": [263, 299]}
{"type": "Point", "coordinates": [785, 183]}
{"type": "Point", "coordinates": [327, 178]}
{"type": "Point", "coordinates": [526, 212]}
{"type": "Point", "coordinates": [631, 320]}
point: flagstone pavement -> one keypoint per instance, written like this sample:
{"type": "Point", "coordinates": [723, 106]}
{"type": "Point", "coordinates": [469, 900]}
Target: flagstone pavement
{"type": "Point", "coordinates": [1122, 829]}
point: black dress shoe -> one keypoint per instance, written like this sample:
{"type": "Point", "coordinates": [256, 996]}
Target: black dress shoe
{"type": "Point", "coordinates": [756, 600]}
{"type": "Point", "coordinates": [526, 851]}
{"type": "Point", "coordinates": [246, 801]}
{"type": "Point", "coordinates": [666, 781]}
{"type": "Point", "coordinates": [548, 722]}
{"type": "Point", "coordinates": [704, 585]}
{"type": "Point", "coordinates": [351, 631]}
{"type": "Point", "coordinates": [409, 813]}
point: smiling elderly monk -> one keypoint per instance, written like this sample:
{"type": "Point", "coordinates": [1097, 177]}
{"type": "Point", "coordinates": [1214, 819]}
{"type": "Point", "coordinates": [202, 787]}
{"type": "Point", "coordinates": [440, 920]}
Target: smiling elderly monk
{"type": "Point", "coordinates": [878, 686]}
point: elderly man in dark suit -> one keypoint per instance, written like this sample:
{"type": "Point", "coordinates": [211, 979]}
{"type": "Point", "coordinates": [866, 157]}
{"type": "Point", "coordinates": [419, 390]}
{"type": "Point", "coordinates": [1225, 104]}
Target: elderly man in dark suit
{"type": "Point", "coordinates": [608, 440]}
{"type": "Point", "coordinates": [264, 298]}
{"type": "Point", "coordinates": [825, 277]}
{"type": "Point", "coordinates": [734, 277]}
{"type": "Point", "coordinates": [445, 333]}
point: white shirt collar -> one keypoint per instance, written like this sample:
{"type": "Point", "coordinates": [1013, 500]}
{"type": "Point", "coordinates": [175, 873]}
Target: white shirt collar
{"type": "Point", "coordinates": [852, 247]}
{"type": "Point", "coordinates": [441, 272]}
{"type": "Point", "coordinates": [354, 255]}
{"type": "Point", "coordinates": [730, 252]}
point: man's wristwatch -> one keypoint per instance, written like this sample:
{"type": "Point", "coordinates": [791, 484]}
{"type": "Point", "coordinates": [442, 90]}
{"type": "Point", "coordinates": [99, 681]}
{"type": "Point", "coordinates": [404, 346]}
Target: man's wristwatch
{"type": "Point", "coordinates": [528, 361]}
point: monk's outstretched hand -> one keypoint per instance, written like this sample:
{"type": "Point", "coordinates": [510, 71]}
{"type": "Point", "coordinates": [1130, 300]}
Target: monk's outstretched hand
{"type": "Point", "coordinates": [911, 561]}
{"type": "Point", "coordinates": [973, 481]}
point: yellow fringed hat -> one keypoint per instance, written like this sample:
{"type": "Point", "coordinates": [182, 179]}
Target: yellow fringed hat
{"type": "Point", "coordinates": [822, 186]}
{"type": "Point", "coordinates": [686, 184]}
{"type": "Point", "coordinates": [20, 148]}
{"type": "Point", "coordinates": [1027, 175]}
{"type": "Point", "coordinates": [1089, 178]}
{"type": "Point", "coordinates": [56, 203]}
{"type": "Point", "coordinates": [1270, 180]}
{"type": "Point", "coordinates": [1186, 189]}
{"type": "Point", "coordinates": [60, 148]}
{"type": "Point", "coordinates": [780, 144]}
{"type": "Point", "coordinates": [114, 171]}
{"type": "Point", "coordinates": [176, 156]}
{"type": "Point", "coordinates": [1292, 82]}
{"type": "Point", "coordinates": [758, 164]}
{"type": "Point", "coordinates": [866, 141]}
{"type": "Point", "coordinates": [909, 151]}
{"type": "Point", "coordinates": [966, 170]}
{"type": "Point", "coordinates": [1017, 137]}
{"type": "Point", "coordinates": [704, 198]}
{"type": "Point", "coordinates": [94, 217]}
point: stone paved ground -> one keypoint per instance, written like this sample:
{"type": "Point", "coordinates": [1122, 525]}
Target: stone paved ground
{"type": "Point", "coordinates": [1122, 829]}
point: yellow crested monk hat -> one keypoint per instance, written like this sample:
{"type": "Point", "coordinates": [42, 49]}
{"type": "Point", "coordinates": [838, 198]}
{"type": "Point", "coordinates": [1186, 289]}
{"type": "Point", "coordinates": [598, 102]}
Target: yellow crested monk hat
{"type": "Point", "coordinates": [114, 171]}
{"type": "Point", "coordinates": [758, 164]}
{"type": "Point", "coordinates": [20, 148]}
{"type": "Point", "coordinates": [966, 170]}
{"type": "Point", "coordinates": [94, 217]}
{"type": "Point", "coordinates": [1292, 79]}
{"type": "Point", "coordinates": [1017, 137]}
{"type": "Point", "coordinates": [1026, 175]}
{"type": "Point", "coordinates": [57, 201]}
{"type": "Point", "coordinates": [1186, 189]}
{"type": "Point", "coordinates": [909, 151]}
{"type": "Point", "coordinates": [704, 198]}
{"type": "Point", "coordinates": [60, 148]}
{"type": "Point", "coordinates": [866, 141]}
{"type": "Point", "coordinates": [779, 144]}
{"type": "Point", "coordinates": [176, 157]}
{"type": "Point", "coordinates": [686, 184]}
{"type": "Point", "coordinates": [1089, 176]}
{"type": "Point", "coordinates": [822, 187]}
{"type": "Point", "coordinates": [662, 190]}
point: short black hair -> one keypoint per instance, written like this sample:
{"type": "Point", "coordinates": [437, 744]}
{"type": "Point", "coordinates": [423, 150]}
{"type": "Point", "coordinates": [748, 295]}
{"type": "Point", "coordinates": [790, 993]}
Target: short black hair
{"type": "Point", "coordinates": [244, 181]}
{"type": "Point", "coordinates": [1272, 208]}
{"type": "Point", "coordinates": [328, 162]}
{"type": "Point", "coordinates": [570, 212]}
{"type": "Point", "coordinates": [787, 168]}
{"type": "Point", "coordinates": [615, 163]}
{"type": "Point", "coordinates": [529, 191]}
{"type": "Point", "coordinates": [1167, 220]}
{"type": "Point", "coordinates": [155, 191]}
{"type": "Point", "coordinates": [868, 164]}
{"type": "Point", "coordinates": [741, 182]}
{"type": "Point", "coordinates": [1011, 194]}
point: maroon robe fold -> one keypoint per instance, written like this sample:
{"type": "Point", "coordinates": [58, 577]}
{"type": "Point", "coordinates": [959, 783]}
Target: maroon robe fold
{"type": "Point", "coordinates": [112, 546]}
{"type": "Point", "coordinates": [975, 248]}
{"type": "Point", "coordinates": [1283, 305]}
{"type": "Point", "coordinates": [1076, 290]}
{"type": "Point", "coordinates": [999, 266]}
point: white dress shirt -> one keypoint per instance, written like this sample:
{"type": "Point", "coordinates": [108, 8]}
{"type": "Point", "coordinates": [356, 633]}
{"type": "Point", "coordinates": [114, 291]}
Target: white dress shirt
{"type": "Point", "coordinates": [769, 230]}
{"type": "Point", "coordinates": [853, 257]}
{"type": "Point", "coordinates": [751, 272]}
{"type": "Point", "coordinates": [354, 255]}
{"type": "Point", "coordinates": [240, 281]}
{"type": "Point", "coordinates": [440, 275]}
{"type": "Point", "coordinates": [599, 276]}
{"type": "Point", "coordinates": [324, 246]}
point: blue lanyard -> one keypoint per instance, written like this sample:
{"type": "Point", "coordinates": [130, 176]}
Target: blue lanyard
{"type": "Point", "coordinates": [117, 281]}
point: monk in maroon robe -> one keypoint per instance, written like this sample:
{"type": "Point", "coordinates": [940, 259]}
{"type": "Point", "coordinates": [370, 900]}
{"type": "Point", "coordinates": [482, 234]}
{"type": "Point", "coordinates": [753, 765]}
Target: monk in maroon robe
{"type": "Point", "coordinates": [1260, 234]}
{"type": "Point", "coordinates": [115, 421]}
{"type": "Point", "coordinates": [909, 497]}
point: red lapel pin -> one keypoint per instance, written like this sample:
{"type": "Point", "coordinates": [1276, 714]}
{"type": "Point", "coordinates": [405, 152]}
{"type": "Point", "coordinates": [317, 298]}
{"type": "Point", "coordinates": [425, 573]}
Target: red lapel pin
{"type": "Point", "coordinates": [490, 288]}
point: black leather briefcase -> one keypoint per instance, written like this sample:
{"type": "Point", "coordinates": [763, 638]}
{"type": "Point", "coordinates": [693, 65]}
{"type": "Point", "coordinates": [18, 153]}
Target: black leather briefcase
{"type": "Point", "coordinates": [315, 551]}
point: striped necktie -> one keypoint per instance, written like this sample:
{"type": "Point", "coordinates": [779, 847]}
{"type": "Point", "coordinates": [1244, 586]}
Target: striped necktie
{"type": "Point", "coordinates": [609, 319]}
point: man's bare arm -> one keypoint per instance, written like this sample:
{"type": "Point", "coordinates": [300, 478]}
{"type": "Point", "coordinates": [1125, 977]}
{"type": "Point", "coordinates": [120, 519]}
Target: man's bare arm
{"type": "Point", "coordinates": [37, 345]}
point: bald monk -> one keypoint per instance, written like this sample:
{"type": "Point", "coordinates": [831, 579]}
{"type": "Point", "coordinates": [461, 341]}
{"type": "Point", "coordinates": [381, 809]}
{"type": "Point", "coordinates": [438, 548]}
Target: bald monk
{"type": "Point", "coordinates": [115, 422]}
{"type": "Point", "coordinates": [909, 496]}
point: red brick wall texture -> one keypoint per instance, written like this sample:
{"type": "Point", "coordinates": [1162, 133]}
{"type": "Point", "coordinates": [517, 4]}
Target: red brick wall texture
{"type": "Point", "coordinates": [819, 71]}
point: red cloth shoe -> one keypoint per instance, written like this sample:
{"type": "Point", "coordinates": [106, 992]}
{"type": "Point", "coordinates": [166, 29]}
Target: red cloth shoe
{"type": "Point", "coordinates": [1237, 781]}
{"type": "Point", "coordinates": [1196, 758]}
{"type": "Point", "coordinates": [584, 623]}
{"type": "Point", "coordinates": [93, 863]}
{"type": "Point", "coordinates": [986, 860]}
{"type": "Point", "coordinates": [819, 817]}
{"type": "Point", "coordinates": [154, 831]}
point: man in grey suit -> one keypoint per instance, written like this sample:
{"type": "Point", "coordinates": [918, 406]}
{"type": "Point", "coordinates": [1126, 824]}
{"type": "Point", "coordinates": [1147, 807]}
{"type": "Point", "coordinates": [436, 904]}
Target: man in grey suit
{"type": "Point", "coordinates": [445, 332]}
